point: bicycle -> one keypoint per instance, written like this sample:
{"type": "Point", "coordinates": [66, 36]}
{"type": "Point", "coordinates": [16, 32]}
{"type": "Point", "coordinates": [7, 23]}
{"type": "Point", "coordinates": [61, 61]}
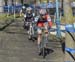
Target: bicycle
{"type": "Point", "coordinates": [43, 43]}
{"type": "Point", "coordinates": [25, 25]}
{"type": "Point", "coordinates": [31, 31]}
{"type": "Point", "coordinates": [29, 25]}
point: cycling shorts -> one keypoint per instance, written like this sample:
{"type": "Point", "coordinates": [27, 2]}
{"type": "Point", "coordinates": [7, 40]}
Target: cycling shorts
{"type": "Point", "coordinates": [42, 25]}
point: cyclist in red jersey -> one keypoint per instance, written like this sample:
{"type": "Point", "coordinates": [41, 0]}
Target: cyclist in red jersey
{"type": "Point", "coordinates": [43, 20]}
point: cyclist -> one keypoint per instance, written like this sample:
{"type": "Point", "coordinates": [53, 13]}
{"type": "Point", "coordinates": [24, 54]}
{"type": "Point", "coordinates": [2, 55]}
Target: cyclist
{"type": "Point", "coordinates": [23, 10]}
{"type": "Point", "coordinates": [29, 17]}
{"type": "Point", "coordinates": [43, 20]}
{"type": "Point", "coordinates": [29, 13]}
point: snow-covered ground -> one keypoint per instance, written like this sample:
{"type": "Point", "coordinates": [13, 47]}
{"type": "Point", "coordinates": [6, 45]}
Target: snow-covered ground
{"type": "Point", "coordinates": [62, 27]}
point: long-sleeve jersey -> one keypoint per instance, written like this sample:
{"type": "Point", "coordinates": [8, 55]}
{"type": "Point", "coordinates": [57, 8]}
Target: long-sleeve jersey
{"type": "Point", "coordinates": [47, 18]}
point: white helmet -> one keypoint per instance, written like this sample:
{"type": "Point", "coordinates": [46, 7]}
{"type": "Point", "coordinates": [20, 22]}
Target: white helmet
{"type": "Point", "coordinates": [29, 9]}
{"type": "Point", "coordinates": [23, 7]}
{"type": "Point", "coordinates": [42, 11]}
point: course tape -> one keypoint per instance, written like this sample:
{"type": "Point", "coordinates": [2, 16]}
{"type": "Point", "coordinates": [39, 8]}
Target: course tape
{"type": "Point", "coordinates": [70, 50]}
{"type": "Point", "coordinates": [70, 28]}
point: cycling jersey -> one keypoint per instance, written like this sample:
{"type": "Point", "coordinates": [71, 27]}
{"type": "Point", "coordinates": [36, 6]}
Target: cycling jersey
{"type": "Point", "coordinates": [28, 16]}
{"type": "Point", "coordinates": [40, 21]}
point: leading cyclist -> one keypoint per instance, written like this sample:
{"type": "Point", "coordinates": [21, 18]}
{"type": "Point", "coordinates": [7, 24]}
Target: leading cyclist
{"type": "Point", "coordinates": [43, 20]}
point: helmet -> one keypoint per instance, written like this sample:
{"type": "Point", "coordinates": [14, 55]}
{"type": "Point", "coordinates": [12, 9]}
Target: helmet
{"type": "Point", "coordinates": [29, 9]}
{"type": "Point", "coordinates": [23, 7]}
{"type": "Point", "coordinates": [42, 11]}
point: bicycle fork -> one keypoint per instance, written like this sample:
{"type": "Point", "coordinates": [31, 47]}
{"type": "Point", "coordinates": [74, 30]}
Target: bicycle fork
{"type": "Point", "coordinates": [44, 45]}
{"type": "Point", "coordinates": [31, 31]}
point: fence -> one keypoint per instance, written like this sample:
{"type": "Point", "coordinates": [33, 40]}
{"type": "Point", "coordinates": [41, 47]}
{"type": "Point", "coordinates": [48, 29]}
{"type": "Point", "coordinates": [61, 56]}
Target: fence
{"type": "Point", "coordinates": [11, 9]}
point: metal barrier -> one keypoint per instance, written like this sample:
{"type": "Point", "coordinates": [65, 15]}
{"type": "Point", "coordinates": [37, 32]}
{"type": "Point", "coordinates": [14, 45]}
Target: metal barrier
{"type": "Point", "coordinates": [11, 9]}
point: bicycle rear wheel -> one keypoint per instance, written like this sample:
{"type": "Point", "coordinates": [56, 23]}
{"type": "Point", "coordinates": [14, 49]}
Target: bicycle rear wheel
{"type": "Point", "coordinates": [44, 44]}
{"type": "Point", "coordinates": [31, 33]}
{"type": "Point", "coordinates": [43, 52]}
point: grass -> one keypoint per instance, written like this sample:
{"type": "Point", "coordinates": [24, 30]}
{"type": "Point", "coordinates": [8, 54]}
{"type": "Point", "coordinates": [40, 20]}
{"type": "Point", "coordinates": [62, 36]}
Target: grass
{"type": "Point", "coordinates": [63, 19]}
{"type": "Point", "coordinates": [6, 20]}
{"type": "Point", "coordinates": [74, 18]}
{"type": "Point", "coordinates": [4, 17]}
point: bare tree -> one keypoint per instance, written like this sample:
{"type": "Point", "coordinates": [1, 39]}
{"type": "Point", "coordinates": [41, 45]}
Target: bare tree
{"type": "Point", "coordinates": [22, 2]}
{"type": "Point", "coordinates": [12, 2]}
{"type": "Point", "coordinates": [6, 2]}
{"type": "Point", "coordinates": [1, 6]}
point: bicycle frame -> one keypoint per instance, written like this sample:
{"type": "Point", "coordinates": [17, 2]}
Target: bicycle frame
{"type": "Point", "coordinates": [31, 29]}
{"type": "Point", "coordinates": [43, 38]}
{"type": "Point", "coordinates": [43, 42]}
